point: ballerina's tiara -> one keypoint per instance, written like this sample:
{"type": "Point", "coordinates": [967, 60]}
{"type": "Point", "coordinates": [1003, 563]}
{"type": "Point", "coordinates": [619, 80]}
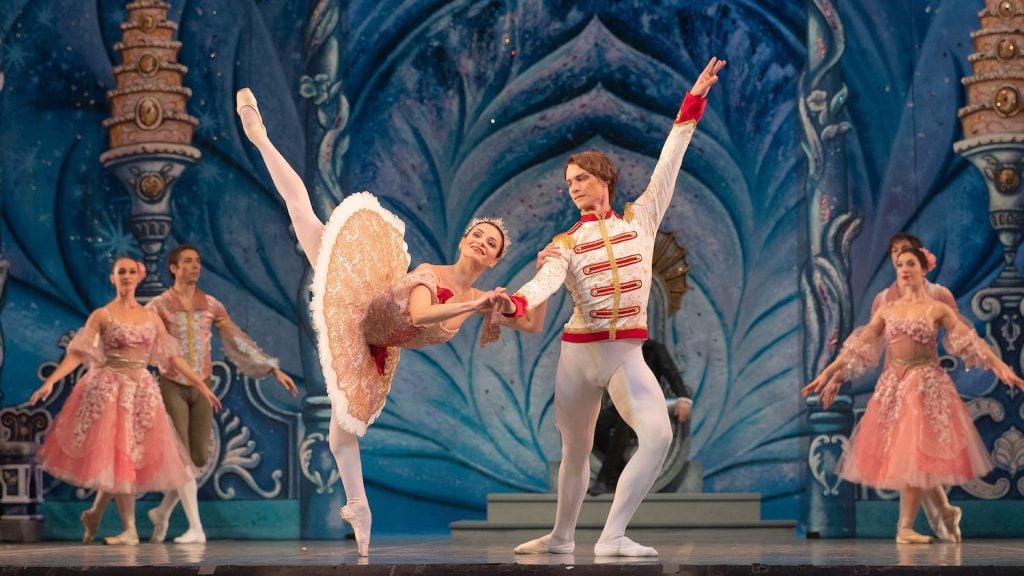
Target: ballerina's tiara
{"type": "Point", "coordinates": [497, 223]}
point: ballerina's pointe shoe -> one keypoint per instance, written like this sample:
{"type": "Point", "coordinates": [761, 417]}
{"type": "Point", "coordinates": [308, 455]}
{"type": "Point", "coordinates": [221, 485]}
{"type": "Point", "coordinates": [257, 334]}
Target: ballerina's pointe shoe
{"type": "Point", "coordinates": [543, 545]}
{"type": "Point", "coordinates": [937, 523]}
{"type": "Point", "coordinates": [952, 523]}
{"type": "Point", "coordinates": [249, 113]}
{"type": "Point", "coordinates": [160, 522]}
{"type": "Point", "coordinates": [91, 523]}
{"type": "Point", "coordinates": [123, 539]}
{"type": "Point", "coordinates": [908, 536]}
{"type": "Point", "coordinates": [623, 547]}
{"type": "Point", "coordinates": [358, 516]}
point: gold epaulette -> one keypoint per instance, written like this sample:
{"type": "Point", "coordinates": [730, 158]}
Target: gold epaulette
{"type": "Point", "coordinates": [627, 213]}
{"type": "Point", "coordinates": [564, 240]}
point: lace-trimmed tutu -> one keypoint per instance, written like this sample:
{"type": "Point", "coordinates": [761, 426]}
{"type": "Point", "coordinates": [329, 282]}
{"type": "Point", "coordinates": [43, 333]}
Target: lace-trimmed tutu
{"type": "Point", "coordinates": [113, 433]}
{"type": "Point", "coordinates": [360, 308]}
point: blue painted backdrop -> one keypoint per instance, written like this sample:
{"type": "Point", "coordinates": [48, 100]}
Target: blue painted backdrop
{"type": "Point", "coordinates": [447, 110]}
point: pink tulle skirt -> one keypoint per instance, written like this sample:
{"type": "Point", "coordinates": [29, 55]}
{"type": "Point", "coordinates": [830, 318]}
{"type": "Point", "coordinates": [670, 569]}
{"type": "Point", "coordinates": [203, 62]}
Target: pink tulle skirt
{"type": "Point", "coordinates": [114, 435]}
{"type": "Point", "coordinates": [916, 433]}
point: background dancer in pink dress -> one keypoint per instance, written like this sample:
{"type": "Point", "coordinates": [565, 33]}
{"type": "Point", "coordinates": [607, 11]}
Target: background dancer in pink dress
{"type": "Point", "coordinates": [934, 502]}
{"type": "Point", "coordinates": [113, 434]}
{"type": "Point", "coordinates": [367, 305]}
{"type": "Point", "coordinates": [916, 433]}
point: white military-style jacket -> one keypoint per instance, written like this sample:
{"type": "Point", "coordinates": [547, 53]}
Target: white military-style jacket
{"type": "Point", "coordinates": [605, 259]}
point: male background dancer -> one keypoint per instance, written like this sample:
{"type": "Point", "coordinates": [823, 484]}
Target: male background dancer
{"type": "Point", "coordinates": [190, 315]}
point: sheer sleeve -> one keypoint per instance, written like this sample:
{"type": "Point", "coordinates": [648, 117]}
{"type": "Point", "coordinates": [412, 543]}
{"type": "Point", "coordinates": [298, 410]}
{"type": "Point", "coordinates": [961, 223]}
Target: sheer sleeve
{"type": "Point", "coordinates": [89, 344]}
{"type": "Point", "coordinates": [964, 342]}
{"type": "Point", "coordinates": [491, 330]}
{"type": "Point", "coordinates": [164, 348]}
{"type": "Point", "coordinates": [861, 352]}
{"type": "Point", "coordinates": [238, 346]}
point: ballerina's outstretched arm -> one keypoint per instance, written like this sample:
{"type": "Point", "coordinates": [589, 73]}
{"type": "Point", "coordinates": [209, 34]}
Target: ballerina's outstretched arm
{"type": "Point", "coordinates": [308, 228]}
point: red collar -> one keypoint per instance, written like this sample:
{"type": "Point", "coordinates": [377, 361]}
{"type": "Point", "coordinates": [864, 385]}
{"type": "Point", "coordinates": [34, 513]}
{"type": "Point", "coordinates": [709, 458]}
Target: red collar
{"type": "Point", "coordinates": [592, 216]}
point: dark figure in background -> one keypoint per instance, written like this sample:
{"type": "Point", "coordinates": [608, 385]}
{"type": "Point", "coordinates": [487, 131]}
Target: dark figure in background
{"type": "Point", "coordinates": [613, 437]}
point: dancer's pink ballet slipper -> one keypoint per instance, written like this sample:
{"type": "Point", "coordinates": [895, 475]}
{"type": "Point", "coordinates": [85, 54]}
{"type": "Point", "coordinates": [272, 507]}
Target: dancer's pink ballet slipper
{"type": "Point", "coordinates": [359, 517]}
{"type": "Point", "coordinates": [91, 523]}
{"type": "Point", "coordinates": [249, 113]}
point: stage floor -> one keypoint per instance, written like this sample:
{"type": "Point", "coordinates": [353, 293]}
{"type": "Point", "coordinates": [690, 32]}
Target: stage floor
{"type": "Point", "coordinates": [424, 555]}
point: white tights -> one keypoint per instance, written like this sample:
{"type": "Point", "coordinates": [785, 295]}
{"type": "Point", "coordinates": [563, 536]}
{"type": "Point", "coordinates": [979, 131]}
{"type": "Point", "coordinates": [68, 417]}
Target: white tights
{"type": "Point", "coordinates": [308, 228]}
{"type": "Point", "coordinates": [345, 447]}
{"type": "Point", "coordinates": [584, 371]}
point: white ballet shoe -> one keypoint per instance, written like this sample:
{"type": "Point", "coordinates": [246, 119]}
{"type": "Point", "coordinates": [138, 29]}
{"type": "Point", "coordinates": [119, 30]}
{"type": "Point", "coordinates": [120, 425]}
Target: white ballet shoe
{"type": "Point", "coordinates": [160, 522]}
{"type": "Point", "coordinates": [126, 538]}
{"type": "Point", "coordinates": [543, 545]}
{"type": "Point", "coordinates": [253, 126]}
{"type": "Point", "coordinates": [623, 547]}
{"type": "Point", "coordinates": [191, 536]}
{"type": "Point", "coordinates": [358, 516]}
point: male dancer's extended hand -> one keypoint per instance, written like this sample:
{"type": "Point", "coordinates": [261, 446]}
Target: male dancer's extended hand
{"type": "Point", "coordinates": [707, 78]}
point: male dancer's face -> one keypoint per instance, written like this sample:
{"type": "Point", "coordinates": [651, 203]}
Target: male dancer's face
{"type": "Point", "coordinates": [897, 247]}
{"type": "Point", "coordinates": [588, 192]}
{"type": "Point", "coordinates": [188, 267]}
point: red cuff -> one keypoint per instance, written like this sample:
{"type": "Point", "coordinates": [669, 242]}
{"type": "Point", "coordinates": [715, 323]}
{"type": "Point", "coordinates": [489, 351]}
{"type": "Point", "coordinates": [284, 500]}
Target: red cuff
{"type": "Point", "coordinates": [520, 303]}
{"type": "Point", "coordinates": [692, 108]}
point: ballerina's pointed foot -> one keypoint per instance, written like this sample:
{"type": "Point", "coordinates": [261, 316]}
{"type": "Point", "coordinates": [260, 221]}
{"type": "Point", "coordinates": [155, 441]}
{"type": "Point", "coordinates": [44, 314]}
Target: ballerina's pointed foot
{"type": "Point", "coordinates": [908, 536]}
{"type": "Point", "coordinates": [938, 524]}
{"type": "Point", "coordinates": [544, 545]}
{"type": "Point", "coordinates": [91, 524]}
{"type": "Point", "coordinates": [191, 536]}
{"type": "Point", "coordinates": [358, 516]}
{"type": "Point", "coordinates": [952, 523]}
{"type": "Point", "coordinates": [160, 522]}
{"type": "Point", "coordinates": [623, 546]}
{"type": "Point", "coordinates": [249, 113]}
{"type": "Point", "coordinates": [126, 538]}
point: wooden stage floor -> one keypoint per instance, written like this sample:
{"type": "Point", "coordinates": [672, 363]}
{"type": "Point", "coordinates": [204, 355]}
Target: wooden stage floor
{"type": "Point", "coordinates": [439, 555]}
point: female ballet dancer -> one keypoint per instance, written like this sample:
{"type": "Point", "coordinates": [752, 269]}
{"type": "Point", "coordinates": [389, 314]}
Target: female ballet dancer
{"type": "Point", "coordinates": [113, 433]}
{"type": "Point", "coordinates": [916, 433]}
{"type": "Point", "coordinates": [367, 305]}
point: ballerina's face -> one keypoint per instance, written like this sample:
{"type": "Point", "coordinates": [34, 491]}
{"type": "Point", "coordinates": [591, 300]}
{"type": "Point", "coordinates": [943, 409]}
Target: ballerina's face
{"type": "Point", "coordinates": [483, 243]}
{"type": "Point", "coordinates": [126, 275]}
{"type": "Point", "coordinates": [909, 271]}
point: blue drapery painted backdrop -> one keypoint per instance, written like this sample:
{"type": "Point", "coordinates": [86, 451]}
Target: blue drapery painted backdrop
{"type": "Point", "coordinates": [448, 110]}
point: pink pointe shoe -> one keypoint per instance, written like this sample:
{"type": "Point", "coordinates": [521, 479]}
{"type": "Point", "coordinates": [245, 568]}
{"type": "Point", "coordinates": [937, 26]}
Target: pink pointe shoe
{"type": "Point", "coordinates": [91, 524]}
{"type": "Point", "coordinates": [253, 126]}
{"type": "Point", "coordinates": [358, 516]}
{"type": "Point", "coordinates": [952, 523]}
